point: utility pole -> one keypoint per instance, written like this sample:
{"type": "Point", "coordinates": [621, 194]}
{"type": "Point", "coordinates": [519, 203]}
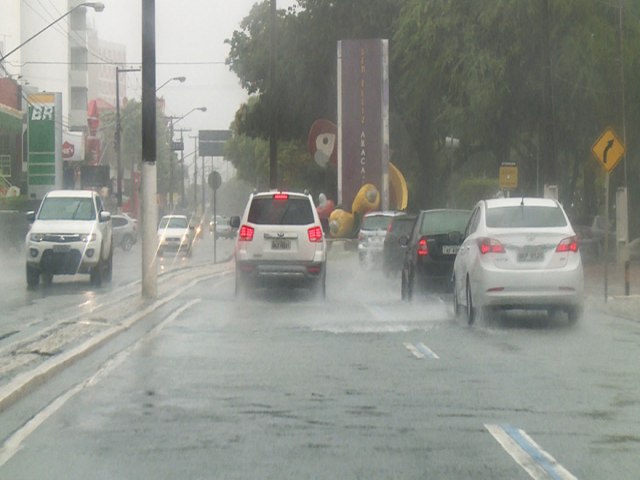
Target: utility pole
{"type": "Point", "coordinates": [273, 128]}
{"type": "Point", "coordinates": [548, 137]}
{"type": "Point", "coordinates": [195, 172]}
{"type": "Point", "coordinates": [149, 154]}
{"type": "Point", "coordinates": [182, 130]}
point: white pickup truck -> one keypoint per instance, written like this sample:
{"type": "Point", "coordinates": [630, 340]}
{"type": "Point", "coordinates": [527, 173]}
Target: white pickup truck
{"type": "Point", "coordinates": [71, 233]}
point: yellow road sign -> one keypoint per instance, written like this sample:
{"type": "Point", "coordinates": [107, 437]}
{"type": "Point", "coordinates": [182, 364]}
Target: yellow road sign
{"type": "Point", "coordinates": [608, 149]}
{"type": "Point", "coordinates": [508, 176]}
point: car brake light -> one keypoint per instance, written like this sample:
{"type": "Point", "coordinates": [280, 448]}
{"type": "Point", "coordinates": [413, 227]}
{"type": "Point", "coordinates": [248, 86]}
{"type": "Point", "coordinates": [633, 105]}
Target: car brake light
{"type": "Point", "coordinates": [423, 247]}
{"type": "Point", "coordinates": [315, 234]}
{"type": "Point", "coordinates": [569, 244]}
{"type": "Point", "coordinates": [246, 233]}
{"type": "Point", "coordinates": [490, 245]}
{"type": "Point", "coordinates": [281, 196]}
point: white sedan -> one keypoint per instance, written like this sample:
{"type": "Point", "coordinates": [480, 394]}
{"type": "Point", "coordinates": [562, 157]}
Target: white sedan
{"type": "Point", "coordinates": [518, 253]}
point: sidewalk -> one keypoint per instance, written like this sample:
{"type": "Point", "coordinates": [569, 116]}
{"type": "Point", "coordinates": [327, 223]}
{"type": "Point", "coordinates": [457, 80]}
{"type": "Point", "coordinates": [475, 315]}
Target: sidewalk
{"type": "Point", "coordinates": [617, 302]}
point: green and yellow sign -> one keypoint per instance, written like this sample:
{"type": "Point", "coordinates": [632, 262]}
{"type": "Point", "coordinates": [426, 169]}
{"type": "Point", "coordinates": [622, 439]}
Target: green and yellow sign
{"type": "Point", "coordinates": [44, 163]}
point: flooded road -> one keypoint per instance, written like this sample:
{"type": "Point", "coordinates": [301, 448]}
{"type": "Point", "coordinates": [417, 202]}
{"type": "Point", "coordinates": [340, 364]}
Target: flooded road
{"type": "Point", "coordinates": [283, 385]}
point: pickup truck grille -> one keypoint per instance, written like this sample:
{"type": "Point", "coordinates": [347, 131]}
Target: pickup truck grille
{"type": "Point", "coordinates": [62, 237]}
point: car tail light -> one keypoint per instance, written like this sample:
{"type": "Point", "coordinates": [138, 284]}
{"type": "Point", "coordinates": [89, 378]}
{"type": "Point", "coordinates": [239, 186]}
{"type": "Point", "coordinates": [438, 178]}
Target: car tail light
{"type": "Point", "coordinates": [246, 233]}
{"type": "Point", "coordinates": [490, 245]}
{"type": "Point", "coordinates": [423, 247]}
{"type": "Point", "coordinates": [569, 244]}
{"type": "Point", "coordinates": [281, 196]}
{"type": "Point", "coordinates": [315, 234]}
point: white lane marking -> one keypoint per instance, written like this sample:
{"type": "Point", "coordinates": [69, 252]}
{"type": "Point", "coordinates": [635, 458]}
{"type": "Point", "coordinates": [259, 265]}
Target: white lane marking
{"type": "Point", "coordinates": [13, 444]}
{"type": "Point", "coordinates": [420, 350]}
{"type": "Point", "coordinates": [539, 464]}
{"type": "Point", "coordinates": [427, 351]}
{"type": "Point", "coordinates": [416, 353]}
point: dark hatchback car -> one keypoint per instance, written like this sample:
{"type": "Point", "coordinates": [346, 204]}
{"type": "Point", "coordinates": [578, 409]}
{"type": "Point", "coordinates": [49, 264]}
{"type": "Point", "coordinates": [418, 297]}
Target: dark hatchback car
{"type": "Point", "coordinates": [393, 249]}
{"type": "Point", "coordinates": [431, 250]}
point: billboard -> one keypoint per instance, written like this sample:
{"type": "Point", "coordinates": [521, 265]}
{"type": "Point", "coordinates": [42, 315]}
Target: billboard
{"type": "Point", "coordinates": [211, 142]}
{"type": "Point", "coordinates": [44, 160]}
{"type": "Point", "coordinates": [363, 118]}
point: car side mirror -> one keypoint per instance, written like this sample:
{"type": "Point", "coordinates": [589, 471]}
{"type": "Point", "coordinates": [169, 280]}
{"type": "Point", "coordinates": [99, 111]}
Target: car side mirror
{"type": "Point", "coordinates": [31, 216]}
{"type": "Point", "coordinates": [104, 216]}
{"type": "Point", "coordinates": [234, 222]}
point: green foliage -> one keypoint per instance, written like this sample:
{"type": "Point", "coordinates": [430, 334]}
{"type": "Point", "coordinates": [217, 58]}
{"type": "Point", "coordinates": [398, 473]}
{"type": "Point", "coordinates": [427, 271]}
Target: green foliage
{"type": "Point", "coordinates": [297, 170]}
{"type": "Point", "coordinates": [131, 141]}
{"type": "Point", "coordinates": [472, 190]}
{"type": "Point", "coordinates": [479, 71]}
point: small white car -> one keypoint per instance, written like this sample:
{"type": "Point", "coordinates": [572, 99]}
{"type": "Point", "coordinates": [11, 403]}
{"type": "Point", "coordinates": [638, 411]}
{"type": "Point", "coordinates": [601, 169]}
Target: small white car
{"type": "Point", "coordinates": [125, 231]}
{"type": "Point", "coordinates": [373, 231]}
{"type": "Point", "coordinates": [280, 239]}
{"type": "Point", "coordinates": [518, 253]}
{"type": "Point", "coordinates": [174, 235]}
{"type": "Point", "coordinates": [70, 234]}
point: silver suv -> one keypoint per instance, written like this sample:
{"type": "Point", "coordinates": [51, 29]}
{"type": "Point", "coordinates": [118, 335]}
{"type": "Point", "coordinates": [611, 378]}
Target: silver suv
{"type": "Point", "coordinates": [280, 238]}
{"type": "Point", "coordinates": [70, 234]}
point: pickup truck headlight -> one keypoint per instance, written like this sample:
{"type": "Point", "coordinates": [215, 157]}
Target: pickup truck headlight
{"type": "Point", "coordinates": [88, 237]}
{"type": "Point", "coordinates": [36, 237]}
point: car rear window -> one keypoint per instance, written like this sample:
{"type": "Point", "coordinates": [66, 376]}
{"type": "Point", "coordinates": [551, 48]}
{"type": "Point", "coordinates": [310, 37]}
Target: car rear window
{"type": "Point", "coordinates": [173, 223]}
{"type": "Point", "coordinates": [402, 225]}
{"type": "Point", "coordinates": [271, 211]}
{"type": "Point", "coordinates": [444, 221]}
{"type": "Point", "coordinates": [376, 222]}
{"type": "Point", "coordinates": [525, 216]}
{"type": "Point", "coordinates": [67, 209]}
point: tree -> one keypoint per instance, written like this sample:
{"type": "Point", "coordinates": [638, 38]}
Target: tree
{"type": "Point", "coordinates": [131, 141]}
{"type": "Point", "coordinates": [531, 82]}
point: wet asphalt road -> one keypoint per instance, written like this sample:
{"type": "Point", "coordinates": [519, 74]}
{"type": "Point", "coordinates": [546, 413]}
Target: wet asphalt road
{"type": "Point", "coordinates": [283, 385]}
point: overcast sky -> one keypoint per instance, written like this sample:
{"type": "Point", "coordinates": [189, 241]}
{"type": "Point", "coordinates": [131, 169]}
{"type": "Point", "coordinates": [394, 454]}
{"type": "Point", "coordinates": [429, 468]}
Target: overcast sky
{"type": "Point", "coordinates": [190, 38]}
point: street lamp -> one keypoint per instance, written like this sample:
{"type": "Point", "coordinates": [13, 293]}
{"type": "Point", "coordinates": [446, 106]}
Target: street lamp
{"type": "Point", "coordinates": [97, 6]}
{"type": "Point", "coordinates": [117, 136]}
{"type": "Point", "coordinates": [178, 79]}
{"type": "Point", "coordinates": [172, 122]}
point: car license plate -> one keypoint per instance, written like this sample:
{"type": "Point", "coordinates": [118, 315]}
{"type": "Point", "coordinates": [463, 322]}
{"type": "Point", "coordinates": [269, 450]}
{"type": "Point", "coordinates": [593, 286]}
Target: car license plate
{"type": "Point", "coordinates": [531, 255]}
{"type": "Point", "coordinates": [281, 244]}
{"type": "Point", "coordinates": [450, 249]}
{"type": "Point", "coordinates": [61, 248]}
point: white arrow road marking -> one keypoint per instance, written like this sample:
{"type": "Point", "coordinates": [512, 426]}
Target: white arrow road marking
{"type": "Point", "coordinates": [539, 464]}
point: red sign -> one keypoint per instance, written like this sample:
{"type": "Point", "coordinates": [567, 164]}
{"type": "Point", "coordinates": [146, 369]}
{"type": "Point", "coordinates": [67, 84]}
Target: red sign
{"type": "Point", "coordinates": [68, 150]}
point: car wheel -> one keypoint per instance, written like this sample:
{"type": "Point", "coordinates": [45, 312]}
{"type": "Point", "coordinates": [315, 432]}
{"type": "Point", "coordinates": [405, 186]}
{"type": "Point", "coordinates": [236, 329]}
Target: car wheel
{"type": "Point", "coordinates": [108, 267]}
{"type": "Point", "coordinates": [47, 278]}
{"type": "Point", "coordinates": [95, 275]}
{"type": "Point", "coordinates": [574, 314]}
{"type": "Point", "coordinates": [410, 286]}
{"type": "Point", "coordinates": [403, 285]}
{"type": "Point", "coordinates": [240, 286]}
{"type": "Point", "coordinates": [456, 305]}
{"type": "Point", "coordinates": [33, 276]}
{"type": "Point", "coordinates": [320, 286]}
{"type": "Point", "coordinates": [471, 310]}
{"type": "Point", "coordinates": [127, 243]}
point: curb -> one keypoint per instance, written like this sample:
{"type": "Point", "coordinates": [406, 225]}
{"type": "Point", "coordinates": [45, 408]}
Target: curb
{"type": "Point", "coordinates": [26, 381]}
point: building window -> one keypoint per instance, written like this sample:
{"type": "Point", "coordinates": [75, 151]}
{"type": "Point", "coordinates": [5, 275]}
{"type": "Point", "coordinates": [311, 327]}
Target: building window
{"type": "Point", "coordinates": [5, 165]}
